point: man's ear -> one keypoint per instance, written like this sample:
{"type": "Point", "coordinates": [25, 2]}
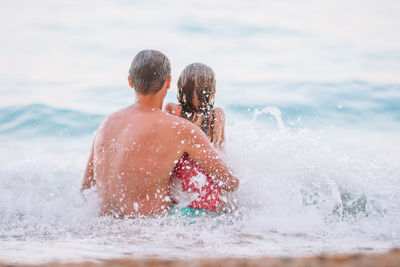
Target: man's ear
{"type": "Point", "coordinates": [130, 82]}
{"type": "Point", "coordinates": [168, 82]}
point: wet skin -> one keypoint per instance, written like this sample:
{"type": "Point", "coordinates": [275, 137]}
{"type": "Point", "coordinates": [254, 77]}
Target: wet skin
{"type": "Point", "coordinates": [135, 151]}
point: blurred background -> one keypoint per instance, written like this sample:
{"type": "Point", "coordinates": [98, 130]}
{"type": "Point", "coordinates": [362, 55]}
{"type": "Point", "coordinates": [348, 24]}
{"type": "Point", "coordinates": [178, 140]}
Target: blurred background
{"type": "Point", "coordinates": [322, 54]}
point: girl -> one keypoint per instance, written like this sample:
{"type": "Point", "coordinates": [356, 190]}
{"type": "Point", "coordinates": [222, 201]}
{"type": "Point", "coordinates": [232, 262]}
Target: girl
{"type": "Point", "coordinates": [196, 91]}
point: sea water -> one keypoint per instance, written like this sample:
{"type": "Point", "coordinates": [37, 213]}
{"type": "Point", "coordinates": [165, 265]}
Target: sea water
{"type": "Point", "coordinates": [311, 92]}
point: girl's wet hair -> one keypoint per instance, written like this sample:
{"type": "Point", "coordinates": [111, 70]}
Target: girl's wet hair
{"type": "Point", "coordinates": [197, 82]}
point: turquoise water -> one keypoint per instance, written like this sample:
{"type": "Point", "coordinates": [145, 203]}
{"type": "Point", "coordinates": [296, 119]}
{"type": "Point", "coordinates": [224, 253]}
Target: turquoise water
{"type": "Point", "coordinates": [312, 99]}
{"type": "Point", "coordinates": [353, 104]}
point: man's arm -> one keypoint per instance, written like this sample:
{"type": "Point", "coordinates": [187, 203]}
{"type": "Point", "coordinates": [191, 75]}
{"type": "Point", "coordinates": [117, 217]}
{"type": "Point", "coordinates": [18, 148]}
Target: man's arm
{"type": "Point", "coordinates": [88, 178]}
{"type": "Point", "coordinates": [197, 145]}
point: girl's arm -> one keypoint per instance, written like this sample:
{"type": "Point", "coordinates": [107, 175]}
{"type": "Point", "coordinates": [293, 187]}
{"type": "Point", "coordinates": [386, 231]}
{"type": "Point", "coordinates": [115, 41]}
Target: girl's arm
{"type": "Point", "coordinates": [219, 129]}
{"type": "Point", "coordinates": [170, 108]}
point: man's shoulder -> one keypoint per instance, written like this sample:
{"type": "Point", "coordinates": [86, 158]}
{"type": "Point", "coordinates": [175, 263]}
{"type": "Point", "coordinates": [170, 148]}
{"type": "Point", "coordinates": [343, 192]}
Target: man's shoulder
{"type": "Point", "coordinates": [114, 119]}
{"type": "Point", "coordinates": [169, 118]}
{"type": "Point", "coordinates": [113, 116]}
{"type": "Point", "coordinates": [120, 112]}
{"type": "Point", "coordinates": [178, 125]}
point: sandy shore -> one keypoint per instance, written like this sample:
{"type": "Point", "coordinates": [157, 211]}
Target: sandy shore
{"type": "Point", "coordinates": [388, 259]}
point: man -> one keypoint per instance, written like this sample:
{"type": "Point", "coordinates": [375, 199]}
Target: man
{"type": "Point", "coordinates": [135, 149]}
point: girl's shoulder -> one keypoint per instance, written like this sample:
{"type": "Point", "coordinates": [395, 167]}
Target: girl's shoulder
{"type": "Point", "coordinates": [219, 114]}
{"type": "Point", "coordinates": [171, 108]}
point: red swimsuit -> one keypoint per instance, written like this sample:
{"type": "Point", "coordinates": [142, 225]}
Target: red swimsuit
{"type": "Point", "coordinates": [189, 172]}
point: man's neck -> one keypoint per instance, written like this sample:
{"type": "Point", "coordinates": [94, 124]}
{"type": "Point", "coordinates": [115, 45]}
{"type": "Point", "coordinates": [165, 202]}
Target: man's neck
{"type": "Point", "coordinates": [150, 101]}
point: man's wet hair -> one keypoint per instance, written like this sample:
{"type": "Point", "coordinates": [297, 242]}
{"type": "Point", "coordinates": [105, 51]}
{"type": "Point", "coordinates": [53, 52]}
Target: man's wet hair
{"type": "Point", "coordinates": [149, 71]}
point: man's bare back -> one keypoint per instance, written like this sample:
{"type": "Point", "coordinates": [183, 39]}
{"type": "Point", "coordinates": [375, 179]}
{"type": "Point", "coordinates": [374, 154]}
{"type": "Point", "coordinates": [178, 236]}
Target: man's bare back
{"type": "Point", "coordinates": [135, 151]}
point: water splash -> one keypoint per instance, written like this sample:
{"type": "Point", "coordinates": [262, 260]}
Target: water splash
{"type": "Point", "coordinates": [299, 193]}
{"type": "Point", "coordinates": [274, 111]}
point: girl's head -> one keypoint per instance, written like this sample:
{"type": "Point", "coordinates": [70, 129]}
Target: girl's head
{"type": "Point", "coordinates": [196, 90]}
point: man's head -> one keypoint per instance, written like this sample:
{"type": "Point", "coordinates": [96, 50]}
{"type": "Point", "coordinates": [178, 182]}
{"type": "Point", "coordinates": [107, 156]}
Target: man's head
{"type": "Point", "coordinates": [149, 71]}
